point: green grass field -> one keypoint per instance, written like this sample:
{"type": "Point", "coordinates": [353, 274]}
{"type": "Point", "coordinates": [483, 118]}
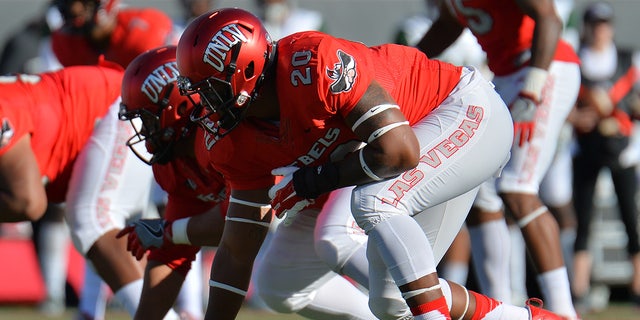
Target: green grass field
{"type": "Point", "coordinates": [31, 313]}
{"type": "Point", "coordinates": [615, 311]}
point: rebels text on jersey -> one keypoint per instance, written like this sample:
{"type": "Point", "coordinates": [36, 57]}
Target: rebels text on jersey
{"type": "Point", "coordinates": [136, 31]}
{"type": "Point", "coordinates": [320, 79]}
{"type": "Point", "coordinates": [504, 32]}
{"type": "Point", "coordinates": [59, 110]}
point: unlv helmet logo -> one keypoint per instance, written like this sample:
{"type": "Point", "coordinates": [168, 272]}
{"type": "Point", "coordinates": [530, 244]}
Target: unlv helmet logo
{"type": "Point", "coordinates": [343, 73]}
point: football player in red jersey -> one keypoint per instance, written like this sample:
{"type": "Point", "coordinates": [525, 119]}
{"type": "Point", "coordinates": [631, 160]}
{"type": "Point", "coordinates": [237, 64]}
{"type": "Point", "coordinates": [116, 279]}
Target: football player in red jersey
{"type": "Point", "coordinates": [538, 75]}
{"type": "Point", "coordinates": [416, 137]}
{"type": "Point", "coordinates": [57, 120]}
{"type": "Point", "coordinates": [46, 120]}
{"type": "Point", "coordinates": [100, 27]}
{"type": "Point", "coordinates": [196, 195]}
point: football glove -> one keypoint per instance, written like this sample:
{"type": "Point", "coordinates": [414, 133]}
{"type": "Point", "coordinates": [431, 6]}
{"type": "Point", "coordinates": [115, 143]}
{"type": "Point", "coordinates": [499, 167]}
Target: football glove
{"type": "Point", "coordinates": [145, 234]}
{"type": "Point", "coordinates": [524, 107]}
{"type": "Point", "coordinates": [284, 199]}
{"type": "Point", "coordinates": [523, 112]}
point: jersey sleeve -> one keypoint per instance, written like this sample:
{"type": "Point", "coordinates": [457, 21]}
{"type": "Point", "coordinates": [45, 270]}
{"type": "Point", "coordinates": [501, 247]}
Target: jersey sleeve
{"type": "Point", "coordinates": [345, 71]}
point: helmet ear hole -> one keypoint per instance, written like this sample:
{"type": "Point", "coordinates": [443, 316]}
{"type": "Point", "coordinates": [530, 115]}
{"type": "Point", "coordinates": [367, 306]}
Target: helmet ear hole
{"type": "Point", "coordinates": [249, 71]}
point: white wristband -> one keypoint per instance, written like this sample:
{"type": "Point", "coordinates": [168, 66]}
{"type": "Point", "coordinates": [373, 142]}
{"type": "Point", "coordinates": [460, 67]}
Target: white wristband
{"type": "Point", "coordinates": [179, 231]}
{"type": "Point", "coordinates": [534, 82]}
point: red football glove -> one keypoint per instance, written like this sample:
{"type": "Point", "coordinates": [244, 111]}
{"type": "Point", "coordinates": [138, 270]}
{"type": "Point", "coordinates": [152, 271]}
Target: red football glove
{"type": "Point", "coordinates": [145, 234]}
{"type": "Point", "coordinates": [525, 106]}
{"type": "Point", "coordinates": [283, 196]}
{"type": "Point", "coordinates": [523, 112]}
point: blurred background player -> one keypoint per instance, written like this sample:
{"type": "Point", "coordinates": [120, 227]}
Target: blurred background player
{"type": "Point", "coordinates": [100, 27]}
{"type": "Point", "coordinates": [607, 110]}
{"type": "Point", "coordinates": [485, 235]}
{"type": "Point", "coordinates": [556, 190]}
{"type": "Point", "coordinates": [20, 54]}
{"type": "Point", "coordinates": [537, 75]}
{"type": "Point", "coordinates": [59, 129]}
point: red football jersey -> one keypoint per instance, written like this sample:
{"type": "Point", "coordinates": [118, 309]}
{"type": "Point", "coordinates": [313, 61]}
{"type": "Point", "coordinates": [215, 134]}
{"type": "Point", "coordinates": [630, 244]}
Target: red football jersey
{"type": "Point", "coordinates": [504, 32]}
{"type": "Point", "coordinates": [320, 79]}
{"type": "Point", "coordinates": [137, 30]}
{"type": "Point", "coordinates": [59, 109]}
{"type": "Point", "coordinates": [191, 189]}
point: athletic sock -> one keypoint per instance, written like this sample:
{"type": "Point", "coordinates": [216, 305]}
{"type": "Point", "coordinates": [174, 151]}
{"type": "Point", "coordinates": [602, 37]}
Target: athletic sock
{"type": "Point", "coordinates": [53, 243]}
{"type": "Point", "coordinates": [491, 258]}
{"type": "Point", "coordinates": [190, 298]}
{"type": "Point", "coordinates": [517, 266]}
{"type": "Point", "coordinates": [94, 296]}
{"type": "Point", "coordinates": [432, 310]}
{"type": "Point", "coordinates": [129, 296]}
{"type": "Point", "coordinates": [556, 291]}
{"type": "Point", "coordinates": [491, 309]}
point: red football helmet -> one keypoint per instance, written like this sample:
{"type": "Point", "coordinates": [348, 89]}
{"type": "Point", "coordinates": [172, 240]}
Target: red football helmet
{"type": "Point", "coordinates": [222, 57]}
{"type": "Point", "coordinates": [149, 92]}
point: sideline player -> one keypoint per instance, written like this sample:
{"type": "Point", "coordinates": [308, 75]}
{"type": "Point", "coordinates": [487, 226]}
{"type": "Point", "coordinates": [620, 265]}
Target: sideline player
{"type": "Point", "coordinates": [317, 100]}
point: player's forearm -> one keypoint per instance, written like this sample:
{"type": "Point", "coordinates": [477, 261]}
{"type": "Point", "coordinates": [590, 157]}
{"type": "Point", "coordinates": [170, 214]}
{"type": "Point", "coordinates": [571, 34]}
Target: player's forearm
{"type": "Point", "coordinates": [545, 41]}
{"type": "Point", "coordinates": [206, 229]}
{"type": "Point", "coordinates": [439, 37]}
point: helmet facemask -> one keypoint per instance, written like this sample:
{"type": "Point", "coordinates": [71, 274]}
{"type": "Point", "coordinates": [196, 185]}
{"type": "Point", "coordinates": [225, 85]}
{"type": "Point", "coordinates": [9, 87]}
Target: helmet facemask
{"type": "Point", "coordinates": [218, 113]}
{"type": "Point", "coordinates": [152, 143]}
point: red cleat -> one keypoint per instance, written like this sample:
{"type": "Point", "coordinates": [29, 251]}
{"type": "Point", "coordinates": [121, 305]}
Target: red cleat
{"type": "Point", "coordinates": [534, 305]}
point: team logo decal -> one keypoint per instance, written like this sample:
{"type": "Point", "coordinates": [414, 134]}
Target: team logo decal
{"type": "Point", "coordinates": [221, 43]}
{"type": "Point", "coordinates": [158, 80]}
{"type": "Point", "coordinates": [6, 132]}
{"type": "Point", "coordinates": [343, 73]}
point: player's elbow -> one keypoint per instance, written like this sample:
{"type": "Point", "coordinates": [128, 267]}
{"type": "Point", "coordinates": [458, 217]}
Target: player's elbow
{"type": "Point", "coordinates": [409, 159]}
{"type": "Point", "coordinates": [402, 155]}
